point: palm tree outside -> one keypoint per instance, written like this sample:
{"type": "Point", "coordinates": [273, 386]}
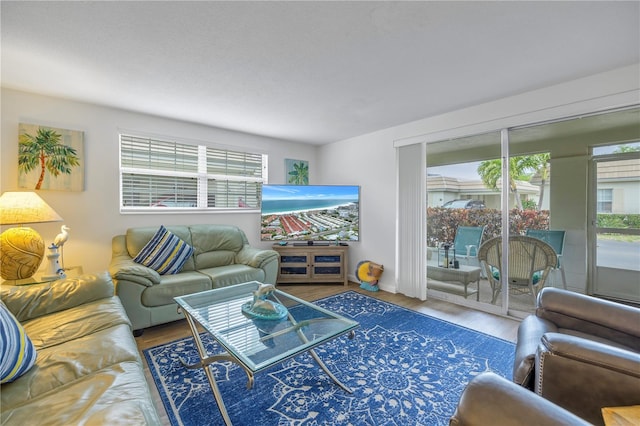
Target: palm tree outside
{"type": "Point", "coordinates": [541, 168]}
{"type": "Point", "coordinates": [44, 150]}
{"type": "Point", "coordinates": [491, 171]}
{"type": "Point", "coordinates": [520, 169]}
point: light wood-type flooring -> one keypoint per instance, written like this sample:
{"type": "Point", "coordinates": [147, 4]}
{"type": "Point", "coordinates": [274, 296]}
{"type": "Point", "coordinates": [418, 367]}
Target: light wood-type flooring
{"type": "Point", "coordinates": [504, 328]}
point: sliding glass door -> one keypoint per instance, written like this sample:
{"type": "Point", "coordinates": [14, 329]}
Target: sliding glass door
{"type": "Point", "coordinates": [469, 191]}
{"type": "Point", "coordinates": [464, 202]}
{"type": "Point", "coordinates": [615, 222]}
{"type": "Point", "coordinates": [534, 180]}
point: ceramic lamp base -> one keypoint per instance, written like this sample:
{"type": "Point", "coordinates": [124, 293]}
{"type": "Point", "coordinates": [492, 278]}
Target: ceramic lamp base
{"type": "Point", "coordinates": [21, 252]}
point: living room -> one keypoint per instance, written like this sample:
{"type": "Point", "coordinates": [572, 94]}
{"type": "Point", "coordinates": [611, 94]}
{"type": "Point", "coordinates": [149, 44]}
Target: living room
{"type": "Point", "coordinates": [329, 163]}
{"type": "Point", "coordinates": [368, 157]}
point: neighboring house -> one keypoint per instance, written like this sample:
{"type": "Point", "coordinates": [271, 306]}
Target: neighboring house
{"type": "Point", "coordinates": [441, 189]}
{"type": "Point", "coordinates": [618, 192]}
{"type": "Point", "coordinates": [618, 184]}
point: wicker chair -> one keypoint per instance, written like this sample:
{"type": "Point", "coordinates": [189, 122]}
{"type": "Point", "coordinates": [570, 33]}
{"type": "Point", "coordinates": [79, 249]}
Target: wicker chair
{"type": "Point", "coordinates": [530, 261]}
{"type": "Point", "coordinates": [555, 238]}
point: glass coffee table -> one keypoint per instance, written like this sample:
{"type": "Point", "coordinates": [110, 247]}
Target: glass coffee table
{"type": "Point", "coordinates": [256, 342]}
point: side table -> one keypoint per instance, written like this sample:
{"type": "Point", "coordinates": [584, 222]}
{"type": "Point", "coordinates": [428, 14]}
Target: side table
{"type": "Point", "coordinates": [39, 277]}
{"type": "Point", "coordinates": [464, 275]}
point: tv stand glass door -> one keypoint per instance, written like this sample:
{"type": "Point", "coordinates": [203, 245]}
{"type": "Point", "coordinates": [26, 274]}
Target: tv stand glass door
{"type": "Point", "coordinates": [312, 264]}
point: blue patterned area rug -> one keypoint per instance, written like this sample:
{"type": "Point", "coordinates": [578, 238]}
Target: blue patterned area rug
{"type": "Point", "coordinates": [405, 368]}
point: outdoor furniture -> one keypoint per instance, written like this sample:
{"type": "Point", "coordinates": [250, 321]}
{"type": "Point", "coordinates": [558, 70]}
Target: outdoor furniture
{"type": "Point", "coordinates": [555, 238]}
{"type": "Point", "coordinates": [464, 274]}
{"type": "Point", "coordinates": [467, 241]}
{"type": "Point", "coordinates": [530, 261]}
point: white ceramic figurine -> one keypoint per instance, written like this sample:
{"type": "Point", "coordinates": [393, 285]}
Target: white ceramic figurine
{"type": "Point", "coordinates": [260, 304]}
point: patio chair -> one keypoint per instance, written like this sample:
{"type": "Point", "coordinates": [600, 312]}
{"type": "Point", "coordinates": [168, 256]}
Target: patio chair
{"type": "Point", "coordinates": [530, 260]}
{"type": "Point", "coordinates": [467, 241]}
{"type": "Point", "coordinates": [555, 238]}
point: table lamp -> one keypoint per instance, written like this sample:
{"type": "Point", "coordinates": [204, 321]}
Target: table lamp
{"type": "Point", "coordinates": [22, 248]}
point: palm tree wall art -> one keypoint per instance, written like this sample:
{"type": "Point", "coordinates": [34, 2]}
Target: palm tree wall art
{"type": "Point", "coordinates": [50, 158]}
{"type": "Point", "coordinates": [297, 172]}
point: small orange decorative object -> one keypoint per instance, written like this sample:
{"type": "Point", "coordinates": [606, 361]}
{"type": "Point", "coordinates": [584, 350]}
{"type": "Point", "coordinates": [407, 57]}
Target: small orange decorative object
{"type": "Point", "coordinates": [368, 273]}
{"type": "Point", "coordinates": [21, 252]}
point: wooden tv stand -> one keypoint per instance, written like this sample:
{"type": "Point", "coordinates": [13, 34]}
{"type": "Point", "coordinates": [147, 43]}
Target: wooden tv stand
{"type": "Point", "coordinates": [312, 264]}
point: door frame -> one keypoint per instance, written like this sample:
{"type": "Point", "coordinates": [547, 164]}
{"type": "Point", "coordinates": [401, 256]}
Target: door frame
{"type": "Point", "coordinates": [593, 270]}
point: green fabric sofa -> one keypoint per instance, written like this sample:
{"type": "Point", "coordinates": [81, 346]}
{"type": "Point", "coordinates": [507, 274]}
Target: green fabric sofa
{"type": "Point", "coordinates": [222, 257]}
{"type": "Point", "coordinates": [88, 369]}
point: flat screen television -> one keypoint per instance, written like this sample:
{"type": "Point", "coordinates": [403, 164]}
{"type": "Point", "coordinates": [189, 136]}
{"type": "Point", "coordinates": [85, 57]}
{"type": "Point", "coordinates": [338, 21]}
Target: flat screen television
{"type": "Point", "coordinates": [304, 213]}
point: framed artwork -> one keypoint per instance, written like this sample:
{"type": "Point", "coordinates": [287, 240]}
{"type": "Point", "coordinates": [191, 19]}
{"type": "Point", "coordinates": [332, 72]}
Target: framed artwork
{"type": "Point", "coordinates": [50, 158]}
{"type": "Point", "coordinates": [296, 172]}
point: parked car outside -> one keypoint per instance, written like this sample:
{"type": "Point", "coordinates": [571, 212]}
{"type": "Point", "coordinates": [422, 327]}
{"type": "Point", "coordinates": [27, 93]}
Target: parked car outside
{"type": "Point", "coordinates": [464, 204]}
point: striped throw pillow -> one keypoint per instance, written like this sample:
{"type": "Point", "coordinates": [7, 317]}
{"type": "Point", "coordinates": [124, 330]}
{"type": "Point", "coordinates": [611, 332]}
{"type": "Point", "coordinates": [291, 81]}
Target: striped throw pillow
{"type": "Point", "coordinates": [17, 353]}
{"type": "Point", "coordinates": [165, 252]}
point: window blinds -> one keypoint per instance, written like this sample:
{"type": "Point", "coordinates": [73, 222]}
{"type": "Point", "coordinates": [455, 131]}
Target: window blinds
{"type": "Point", "coordinates": [159, 173]}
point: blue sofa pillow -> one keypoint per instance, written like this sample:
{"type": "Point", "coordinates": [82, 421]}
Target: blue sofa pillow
{"type": "Point", "coordinates": [17, 353]}
{"type": "Point", "coordinates": [165, 252]}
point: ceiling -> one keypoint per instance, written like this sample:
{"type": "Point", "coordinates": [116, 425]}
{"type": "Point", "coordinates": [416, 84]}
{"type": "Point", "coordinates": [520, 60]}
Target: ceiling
{"type": "Point", "coordinates": [312, 72]}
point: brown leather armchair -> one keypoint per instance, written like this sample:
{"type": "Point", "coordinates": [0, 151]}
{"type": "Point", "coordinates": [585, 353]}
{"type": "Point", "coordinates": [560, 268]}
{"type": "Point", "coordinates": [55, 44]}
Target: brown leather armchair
{"type": "Point", "coordinates": [580, 352]}
{"type": "Point", "coordinates": [490, 399]}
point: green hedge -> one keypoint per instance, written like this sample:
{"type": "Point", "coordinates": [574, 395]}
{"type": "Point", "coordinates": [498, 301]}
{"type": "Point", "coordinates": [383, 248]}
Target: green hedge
{"type": "Point", "coordinates": [610, 220]}
{"type": "Point", "coordinates": [442, 223]}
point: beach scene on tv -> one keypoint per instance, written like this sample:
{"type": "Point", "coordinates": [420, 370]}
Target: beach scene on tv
{"type": "Point", "coordinates": [310, 213]}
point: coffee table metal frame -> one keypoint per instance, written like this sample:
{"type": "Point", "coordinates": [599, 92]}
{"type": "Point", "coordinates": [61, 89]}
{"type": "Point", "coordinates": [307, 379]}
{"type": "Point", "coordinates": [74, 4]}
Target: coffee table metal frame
{"type": "Point", "coordinates": [218, 311]}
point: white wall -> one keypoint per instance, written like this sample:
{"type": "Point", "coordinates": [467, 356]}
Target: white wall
{"type": "Point", "coordinates": [370, 163]}
{"type": "Point", "coordinates": [370, 160]}
{"type": "Point", "coordinates": [367, 160]}
{"type": "Point", "coordinates": [93, 214]}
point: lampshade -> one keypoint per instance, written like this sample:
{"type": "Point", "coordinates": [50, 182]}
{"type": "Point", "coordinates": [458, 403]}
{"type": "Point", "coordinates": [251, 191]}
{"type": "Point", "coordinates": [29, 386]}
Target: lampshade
{"type": "Point", "coordinates": [18, 208]}
{"type": "Point", "coordinates": [22, 248]}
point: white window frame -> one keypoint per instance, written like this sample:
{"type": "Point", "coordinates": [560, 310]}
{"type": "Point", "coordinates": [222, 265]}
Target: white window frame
{"type": "Point", "coordinates": [152, 158]}
{"type": "Point", "coordinates": [605, 196]}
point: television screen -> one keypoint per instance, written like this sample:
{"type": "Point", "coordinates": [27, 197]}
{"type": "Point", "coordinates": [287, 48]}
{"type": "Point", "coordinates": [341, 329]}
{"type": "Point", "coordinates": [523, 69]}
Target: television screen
{"type": "Point", "coordinates": [310, 213]}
